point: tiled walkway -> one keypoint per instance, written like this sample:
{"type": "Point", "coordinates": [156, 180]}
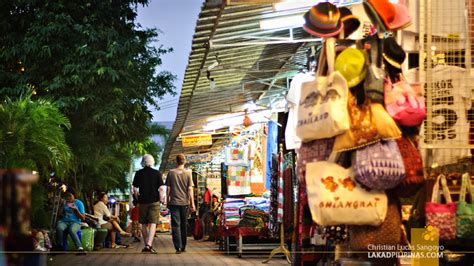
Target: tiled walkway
{"type": "Point", "coordinates": [197, 253]}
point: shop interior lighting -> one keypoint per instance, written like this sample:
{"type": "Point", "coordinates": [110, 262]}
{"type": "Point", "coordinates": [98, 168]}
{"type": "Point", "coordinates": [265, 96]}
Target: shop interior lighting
{"type": "Point", "coordinates": [282, 22]}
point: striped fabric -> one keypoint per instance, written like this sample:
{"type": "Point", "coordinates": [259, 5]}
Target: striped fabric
{"type": "Point", "coordinates": [280, 189]}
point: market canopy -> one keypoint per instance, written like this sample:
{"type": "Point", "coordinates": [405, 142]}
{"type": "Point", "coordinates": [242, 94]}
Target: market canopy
{"type": "Point", "coordinates": [238, 63]}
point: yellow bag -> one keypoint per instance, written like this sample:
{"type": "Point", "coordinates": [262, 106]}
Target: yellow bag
{"type": "Point", "coordinates": [368, 125]}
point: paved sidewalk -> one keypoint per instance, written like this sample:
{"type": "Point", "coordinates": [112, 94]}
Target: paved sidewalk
{"type": "Point", "coordinates": [197, 253]}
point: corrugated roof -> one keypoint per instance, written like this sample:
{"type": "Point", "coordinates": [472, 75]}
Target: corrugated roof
{"type": "Point", "coordinates": [247, 70]}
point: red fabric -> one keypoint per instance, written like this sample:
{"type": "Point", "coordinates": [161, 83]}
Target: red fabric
{"type": "Point", "coordinates": [207, 196]}
{"type": "Point", "coordinates": [134, 214]}
{"type": "Point", "coordinates": [414, 178]}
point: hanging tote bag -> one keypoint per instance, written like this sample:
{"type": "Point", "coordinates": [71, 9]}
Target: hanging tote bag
{"type": "Point", "coordinates": [388, 233]}
{"type": "Point", "coordinates": [465, 211]}
{"type": "Point", "coordinates": [335, 198]}
{"type": "Point", "coordinates": [322, 110]}
{"type": "Point", "coordinates": [404, 102]}
{"type": "Point", "coordinates": [414, 178]}
{"type": "Point", "coordinates": [380, 165]}
{"type": "Point", "coordinates": [442, 216]}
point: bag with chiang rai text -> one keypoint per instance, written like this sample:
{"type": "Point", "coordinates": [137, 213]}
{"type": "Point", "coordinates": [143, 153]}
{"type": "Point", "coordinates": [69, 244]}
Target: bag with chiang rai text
{"type": "Point", "coordinates": [334, 197]}
{"type": "Point", "coordinates": [322, 109]}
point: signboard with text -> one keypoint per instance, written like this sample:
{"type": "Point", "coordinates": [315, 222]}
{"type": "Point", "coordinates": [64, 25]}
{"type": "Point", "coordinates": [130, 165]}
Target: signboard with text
{"type": "Point", "coordinates": [198, 158]}
{"type": "Point", "coordinates": [197, 140]}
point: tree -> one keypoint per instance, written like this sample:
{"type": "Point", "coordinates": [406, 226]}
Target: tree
{"type": "Point", "coordinates": [99, 66]}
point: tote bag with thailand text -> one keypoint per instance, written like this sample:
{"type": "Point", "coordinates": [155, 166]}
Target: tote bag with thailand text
{"type": "Point", "coordinates": [322, 109]}
{"type": "Point", "coordinates": [334, 197]}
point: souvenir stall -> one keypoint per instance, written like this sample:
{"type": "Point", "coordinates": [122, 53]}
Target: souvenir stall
{"type": "Point", "coordinates": [355, 122]}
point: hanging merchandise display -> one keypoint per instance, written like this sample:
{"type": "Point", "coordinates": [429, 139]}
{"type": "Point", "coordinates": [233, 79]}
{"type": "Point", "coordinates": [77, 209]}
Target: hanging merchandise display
{"type": "Point", "coordinates": [439, 215]}
{"type": "Point", "coordinates": [322, 111]}
{"type": "Point", "coordinates": [380, 165]}
{"type": "Point", "coordinates": [335, 198]}
{"type": "Point", "coordinates": [465, 211]}
{"type": "Point", "coordinates": [238, 180]}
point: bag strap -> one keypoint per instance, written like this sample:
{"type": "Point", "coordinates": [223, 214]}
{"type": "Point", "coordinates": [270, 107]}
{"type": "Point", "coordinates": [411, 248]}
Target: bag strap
{"type": "Point", "coordinates": [321, 61]}
{"type": "Point", "coordinates": [444, 185]}
{"type": "Point", "coordinates": [466, 186]}
{"type": "Point", "coordinates": [330, 53]}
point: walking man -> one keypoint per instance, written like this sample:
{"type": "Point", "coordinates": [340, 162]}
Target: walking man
{"type": "Point", "coordinates": [146, 186]}
{"type": "Point", "coordinates": [180, 185]}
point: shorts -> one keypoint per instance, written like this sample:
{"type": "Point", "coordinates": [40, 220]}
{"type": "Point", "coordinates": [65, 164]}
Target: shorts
{"type": "Point", "coordinates": [107, 226]}
{"type": "Point", "coordinates": [149, 213]}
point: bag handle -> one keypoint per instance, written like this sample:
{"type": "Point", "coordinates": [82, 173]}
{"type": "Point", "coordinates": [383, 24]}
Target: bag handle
{"type": "Point", "coordinates": [466, 186]}
{"type": "Point", "coordinates": [444, 185]}
{"type": "Point", "coordinates": [327, 57]}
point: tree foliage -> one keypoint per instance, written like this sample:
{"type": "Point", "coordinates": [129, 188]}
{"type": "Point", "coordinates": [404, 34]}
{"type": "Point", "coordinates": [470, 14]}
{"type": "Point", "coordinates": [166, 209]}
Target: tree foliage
{"type": "Point", "coordinates": [98, 65]}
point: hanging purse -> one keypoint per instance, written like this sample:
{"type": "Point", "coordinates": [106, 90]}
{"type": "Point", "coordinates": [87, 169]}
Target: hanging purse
{"type": "Point", "coordinates": [379, 166]}
{"type": "Point", "coordinates": [414, 178]}
{"type": "Point", "coordinates": [389, 233]}
{"type": "Point", "coordinates": [404, 102]}
{"type": "Point", "coordinates": [322, 110]}
{"type": "Point", "coordinates": [335, 198]}
{"type": "Point", "coordinates": [442, 216]}
{"type": "Point", "coordinates": [374, 82]}
{"type": "Point", "coordinates": [465, 211]}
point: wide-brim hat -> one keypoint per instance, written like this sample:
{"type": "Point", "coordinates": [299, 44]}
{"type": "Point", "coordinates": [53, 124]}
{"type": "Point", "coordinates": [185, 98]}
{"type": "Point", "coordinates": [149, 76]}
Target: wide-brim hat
{"type": "Point", "coordinates": [402, 18]}
{"type": "Point", "coordinates": [393, 54]}
{"type": "Point", "coordinates": [385, 10]}
{"type": "Point", "coordinates": [323, 20]}
{"type": "Point", "coordinates": [351, 22]}
{"type": "Point", "coordinates": [351, 64]}
{"type": "Point", "coordinates": [374, 17]}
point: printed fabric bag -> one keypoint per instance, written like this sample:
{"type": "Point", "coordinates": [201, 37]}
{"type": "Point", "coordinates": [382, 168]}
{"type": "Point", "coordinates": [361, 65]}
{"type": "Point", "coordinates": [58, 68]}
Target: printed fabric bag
{"type": "Point", "coordinates": [335, 198]}
{"type": "Point", "coordinates": [442, 216]}
{"type": "Point", "coordinates": [368, 125]}
{"type": "Point", "coordinates": [465, 211]}
{"type": "Point", "coordinates": [380, 165]}
{"type": "Point", "coordinates": [388, 233]}
{"type": "Point", "coordinates": [322, 110]}
{"type": "Point", "coordinates": [404, 102]}
{"type": "Point", "coordinates": [414, 178]}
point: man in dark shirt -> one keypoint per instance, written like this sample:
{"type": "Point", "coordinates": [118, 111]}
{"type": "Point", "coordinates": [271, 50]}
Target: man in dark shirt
{"type": "Point", "coordinates": [180, 185]}
{"type": "Point", "coordinates": [146, 186]}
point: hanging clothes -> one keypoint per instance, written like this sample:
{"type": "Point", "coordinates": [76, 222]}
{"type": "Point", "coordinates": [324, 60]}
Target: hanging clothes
{"type": "Point", "coordinates": [273, 224]}
{"type": "Point", "coordinates": [272, 148]}
{"type": "Point", "coordinates": [281, 199]}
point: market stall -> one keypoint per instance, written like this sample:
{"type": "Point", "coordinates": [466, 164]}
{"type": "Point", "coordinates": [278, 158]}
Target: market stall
{"type": "Point", "coordinates": [370, 100]}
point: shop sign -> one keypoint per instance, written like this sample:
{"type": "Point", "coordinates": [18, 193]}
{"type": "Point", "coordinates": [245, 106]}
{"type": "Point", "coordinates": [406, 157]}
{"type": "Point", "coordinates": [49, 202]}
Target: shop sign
{"type": "Point", "coordinates": [196, 140]}
{"type": "Point", "coordinates": [198, 158]}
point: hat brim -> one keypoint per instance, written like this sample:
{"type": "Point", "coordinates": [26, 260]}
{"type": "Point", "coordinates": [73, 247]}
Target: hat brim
{"type": "Point", "coordinates": [318, 32]}
{"type": "Point", "coordinates": [357, 80]}
{"type": "Point", "coordinates": [402, 18]}
{"type": "Point", "coordinates": [374, 17]}
{"type": "Point", "coordinates": [351, 24]}
{"type": "Point", "coordinates": [391, 62]}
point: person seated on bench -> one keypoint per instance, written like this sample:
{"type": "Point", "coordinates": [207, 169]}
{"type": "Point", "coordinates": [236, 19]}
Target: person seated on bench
{"type": "Point", "coordinates": [73, 214]}
{"type": "Point", "coordinates": [107, 220]}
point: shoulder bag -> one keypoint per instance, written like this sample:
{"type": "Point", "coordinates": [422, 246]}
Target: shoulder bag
{"type": "Point", "coordinates": [380, 165]}
{"type": "Point", "coordinates": [465, 211]}
{"type": "Point", "coordinates": [335, 198]}
{"type": "Point", "coordinates": [414, 178]}
{"type": "Point", "coordinates": [439, 215]}
{"type": "Point", "coordinates": [322, 110]}
{"type": "Point", "coordinates": [404, 102]}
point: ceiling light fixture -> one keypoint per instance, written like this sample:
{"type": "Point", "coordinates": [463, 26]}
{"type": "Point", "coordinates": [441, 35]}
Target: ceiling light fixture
{"type": "Point", "coordinates": [282, 22]}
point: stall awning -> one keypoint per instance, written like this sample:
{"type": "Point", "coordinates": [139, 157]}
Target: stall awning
{"type": "Point", "coordinates": [233, 63]}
